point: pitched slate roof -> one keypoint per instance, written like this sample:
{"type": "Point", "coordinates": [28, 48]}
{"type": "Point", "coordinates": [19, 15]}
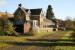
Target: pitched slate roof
{"type": "Point", "coordinates": [33, 11]}
{"type": "Point", "coordinates": [24, 9]}
{"type": "Point", "coordinates": [36, 11]}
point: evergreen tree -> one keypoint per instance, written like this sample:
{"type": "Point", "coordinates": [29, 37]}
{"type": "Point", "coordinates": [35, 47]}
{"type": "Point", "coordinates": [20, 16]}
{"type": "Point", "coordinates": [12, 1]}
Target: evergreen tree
{"type": "Point", "coordinates": [8, 28]}
{"type": "Point", "coordinates": [49, 13]}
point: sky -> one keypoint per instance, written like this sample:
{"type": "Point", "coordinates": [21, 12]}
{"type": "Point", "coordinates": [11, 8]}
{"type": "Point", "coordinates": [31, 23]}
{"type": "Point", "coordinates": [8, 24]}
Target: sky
{"type": "Point", "coordinates": [61, 8]}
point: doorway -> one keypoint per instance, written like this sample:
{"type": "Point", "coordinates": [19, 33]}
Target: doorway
{"type": "Point", "coordinates": [19, 28]}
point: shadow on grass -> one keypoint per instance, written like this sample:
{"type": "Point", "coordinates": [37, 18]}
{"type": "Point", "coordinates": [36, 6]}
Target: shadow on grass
{"type": "Point", "coordinates": [41, 43]}
{"type": "Point", "coordinates": [51, 40]}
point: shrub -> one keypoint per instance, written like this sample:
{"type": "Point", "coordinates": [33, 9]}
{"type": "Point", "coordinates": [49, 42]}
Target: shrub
{"type": "Point", "coordinates": [9, 28]}
{"type": "Point", "coordinates": [6, 28]}
{"type": "Point", "coordinates": [33, 31]}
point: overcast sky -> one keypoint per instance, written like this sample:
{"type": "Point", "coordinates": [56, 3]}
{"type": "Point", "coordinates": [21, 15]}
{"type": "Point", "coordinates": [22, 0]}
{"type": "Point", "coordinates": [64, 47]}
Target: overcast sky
{"type": "Point", "coordinates": [61, 8]}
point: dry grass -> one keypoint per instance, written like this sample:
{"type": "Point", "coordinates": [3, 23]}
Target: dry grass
{"type": "Point", "coordinates": [65, 48]}
{"type": "Point", "coordinates": [4, 39]}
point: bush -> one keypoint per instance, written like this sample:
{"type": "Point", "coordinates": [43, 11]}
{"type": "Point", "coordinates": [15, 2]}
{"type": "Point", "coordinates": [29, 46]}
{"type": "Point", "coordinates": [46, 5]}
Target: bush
{"type": "Point", "coordinates": [33, 31]}
{"type": "Point", "coordinates": [6, 28]}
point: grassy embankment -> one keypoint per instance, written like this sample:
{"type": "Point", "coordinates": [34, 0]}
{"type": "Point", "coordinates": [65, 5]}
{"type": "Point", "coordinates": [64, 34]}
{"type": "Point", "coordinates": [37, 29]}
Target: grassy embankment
{"type": "Point", "coordinates": [5, 39]}
{"type": "Point", "coordinates": [67, 36]}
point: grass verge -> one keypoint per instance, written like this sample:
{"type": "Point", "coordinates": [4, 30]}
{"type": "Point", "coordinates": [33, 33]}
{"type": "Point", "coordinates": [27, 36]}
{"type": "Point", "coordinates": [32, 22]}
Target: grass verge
{"type": "Point", "coordinates": [4, 39]}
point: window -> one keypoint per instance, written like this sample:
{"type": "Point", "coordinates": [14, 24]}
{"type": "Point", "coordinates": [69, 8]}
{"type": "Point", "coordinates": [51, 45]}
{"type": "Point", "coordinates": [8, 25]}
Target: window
{"type": "Point", "coordinates": [27, 17]}
{"type": "Point", "coordinates": [35, 23]}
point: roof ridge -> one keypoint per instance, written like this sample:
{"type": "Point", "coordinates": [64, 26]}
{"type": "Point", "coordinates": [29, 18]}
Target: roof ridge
{"type": "Point", "coordinates": [37, 8]}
